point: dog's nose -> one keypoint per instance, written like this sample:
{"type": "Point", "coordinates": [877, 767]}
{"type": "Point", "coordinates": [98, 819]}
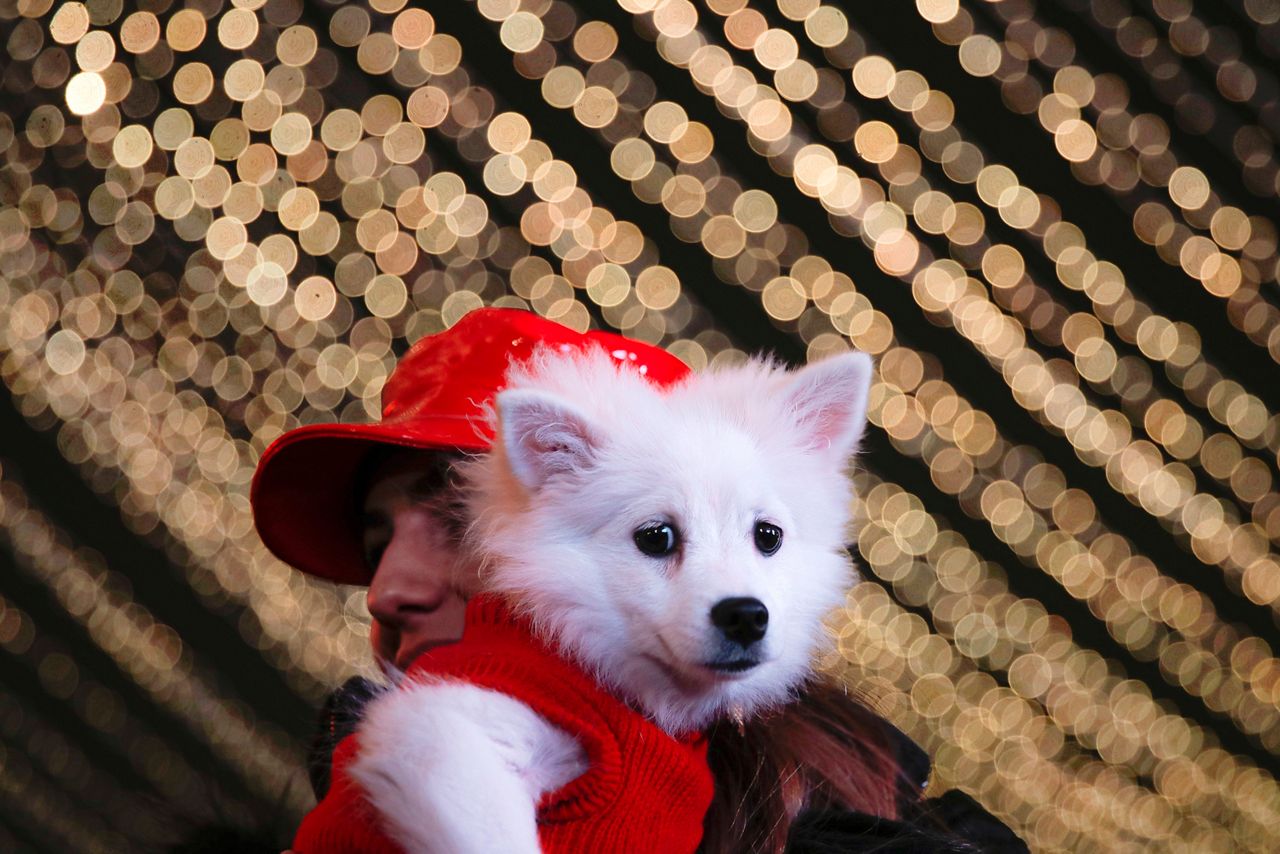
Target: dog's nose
{"type": "Point", "coordinates": [742, 619]}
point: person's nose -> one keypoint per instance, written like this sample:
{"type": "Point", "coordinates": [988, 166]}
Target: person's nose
{"type": "Point", "coordinates": [403, 586]}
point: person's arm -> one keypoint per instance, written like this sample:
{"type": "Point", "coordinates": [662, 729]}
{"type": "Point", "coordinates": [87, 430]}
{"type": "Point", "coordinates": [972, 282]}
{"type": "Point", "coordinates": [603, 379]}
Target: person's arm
{"type": "Point", "coordinates": [835, 831]}
{"type": "Point", "coordinates": [953, 813]}
{"type": "Point", "coordinates": [339, 717]}
{"type": "Point", "coordinates": [951, 824]}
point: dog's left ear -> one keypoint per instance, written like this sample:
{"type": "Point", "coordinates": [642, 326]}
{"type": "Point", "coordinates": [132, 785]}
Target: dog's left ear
{"type": "Point", "coordinates": [828, 400]}
{"type": "Point", "coordinates": [544, 436]}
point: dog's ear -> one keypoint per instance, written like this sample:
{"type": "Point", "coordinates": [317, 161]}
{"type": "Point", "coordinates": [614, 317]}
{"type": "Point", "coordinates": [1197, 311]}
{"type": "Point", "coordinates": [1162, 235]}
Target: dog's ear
{"type": "Point", "coordinates": [828, 400]}
{"type": "Point", "coordinates": [543, 436]}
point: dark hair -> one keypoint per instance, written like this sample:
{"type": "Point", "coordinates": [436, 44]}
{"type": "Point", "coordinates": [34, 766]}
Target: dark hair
{"type": "Point", "coordinates": [825, 749]}
{"type": "Point", "coordinates": [441, 482]}
{"type": "Point", "coordinates": [441, 471]}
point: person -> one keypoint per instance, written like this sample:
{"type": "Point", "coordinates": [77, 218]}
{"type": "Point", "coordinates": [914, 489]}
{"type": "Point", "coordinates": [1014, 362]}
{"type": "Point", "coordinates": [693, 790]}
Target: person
{"type": "Point", "coordinates": [372, 504]}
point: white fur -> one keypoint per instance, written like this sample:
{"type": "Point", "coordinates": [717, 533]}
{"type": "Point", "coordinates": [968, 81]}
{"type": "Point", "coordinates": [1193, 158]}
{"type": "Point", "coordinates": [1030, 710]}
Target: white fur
{"type": "Point", "coordinates": [587, 453]}
{"type": "Point", "coordinates": [456, 768]}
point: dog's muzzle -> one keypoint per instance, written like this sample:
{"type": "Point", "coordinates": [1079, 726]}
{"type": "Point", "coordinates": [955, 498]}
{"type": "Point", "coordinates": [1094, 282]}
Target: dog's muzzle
{"type": "Point", "coordinates": [742, 620]}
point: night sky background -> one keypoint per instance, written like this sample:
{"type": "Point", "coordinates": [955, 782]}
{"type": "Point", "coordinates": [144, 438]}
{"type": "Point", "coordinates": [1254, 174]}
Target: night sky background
{"type": "Point", "coordinates": [1053, 224]}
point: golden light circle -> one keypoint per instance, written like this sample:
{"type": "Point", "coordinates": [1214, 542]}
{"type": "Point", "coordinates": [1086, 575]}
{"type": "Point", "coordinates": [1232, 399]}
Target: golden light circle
{"type": "Point", "coordinates": [378, 53]}
{"type": "Point", "coordinates": [509, 132]}
{"type": "Point", "coordinates": [441, 54]}
{"type": "Point", "coordinates": [386, 295]}
{"type": "Point", "coordinates": [266, 284]}
{"type": "Point", "coordinates": [595, 41]}
{"type": "Point", "coordinates": [873, 76]}
{"type": "Point", "coordinates": [938, 11]}
{"type": "Point", "coordinates": [212, 188]}
{"type": "Point", "coordinates": [413, 28]}
{"type": "Point", "coordinates": [315, 298]}
{"type": "Point", "coordinates": [238, 29]}
{"type": "Point", "coordinates": [404, 143]}
{"type": "Point", "coordinates": [85, 93]}
{"type": "Point", "coordinates": [608, 284]}
{"type": "Point", "coordinates": [229, 139]}
{"type": "Point", "coordinates": [193, 158]}
{"type": "Point", "coordinates": [427, 106]}
{"type": "Point", "coordinates": [665, 121]}
{"type": "Point", "coordinates": [783, 298]}
{"type": "Point", "coordinates": [193, 83]}
{"type": "Point", "coordinates": [172, 127]}
{"type": "Point", "coordinates": [723, 237]}
{"type": "Point", "coordinates": [563, 86]}
{"type": "Point", "coordinates": [95, 51]}
{"type": "Point", "coordinates": [185, 30]}
{"type": "Point", "coordinates": [675, 18]}
{"type": "Point", "coordinates": [657, 287]}
{"type": "Point", "coordinates": [1075, 140]}
{"type": "Point", "coordinates": [827, 26]}
{"type": "Point", "coordinates": [1188, 187]}
{"type": "Point", "coordinates": [980, 55]}
{"type": "Point", "coordinates": [135, 224]}
{"type": "Point", "coordinates": [744, 28]}
{"type": "Point", "coordinates": [69, 24]}
{"type": "Point", "coordinates": [632, 159]}
{"type": "Point", "coordinates": [349, 25]}
{"type": "Point", "coordinates": [140, 32]}
{"type": "Point", "coordinates": [381, 113]}
{"type": "Point", "coordinates": [341, 130]}
{"type": "Point", "coordinates": [596, 107]}
{"type": "Point", "coordinates": [225, 238]}
{"type": "Point", "coordinates": [244, 79]}
{"type": "Point", "coordinates": [521, 32]}
{"type": "Point", "coordinates": [297, 45]}
{"type": "Point", "coordinates": [776, 49]}
{"type": "Point", "coordinates": [132, 146]}
{"type": "Point", "coordinates": [756, 211]}
{"type": "Point", "coordinates": [876, 141]}
{"type": "Point", "coordinates": [257, 164]}
{"type": "Point", "coordinates": [291, 133]}
{"type": "Point", "coordinates": [64, 352]}
{"type": "Point", "coordinates": [174, 197]}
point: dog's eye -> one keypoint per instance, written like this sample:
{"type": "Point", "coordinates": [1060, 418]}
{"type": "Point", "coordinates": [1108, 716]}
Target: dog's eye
{"type": "Point", "coordinates": [656, 540]}
{"type": "Point", "coordinates": [768, 538]}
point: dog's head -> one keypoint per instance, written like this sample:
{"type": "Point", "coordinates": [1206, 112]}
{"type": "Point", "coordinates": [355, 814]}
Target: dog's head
{"type": "Point", "coordinates": [683, 544]}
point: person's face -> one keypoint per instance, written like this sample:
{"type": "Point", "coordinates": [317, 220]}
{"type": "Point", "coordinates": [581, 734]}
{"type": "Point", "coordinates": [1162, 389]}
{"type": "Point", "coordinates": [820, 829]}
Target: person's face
{"type": "Point", "coordinates": [416, 598]}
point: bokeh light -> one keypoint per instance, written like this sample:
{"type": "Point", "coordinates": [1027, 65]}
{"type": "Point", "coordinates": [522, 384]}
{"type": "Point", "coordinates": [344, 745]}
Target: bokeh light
{"type": "Point", "coordinates": [223, 221]}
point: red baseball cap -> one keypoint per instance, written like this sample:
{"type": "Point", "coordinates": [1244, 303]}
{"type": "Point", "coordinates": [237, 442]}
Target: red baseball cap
{"type": "Point", "coordinates": [303, 492]}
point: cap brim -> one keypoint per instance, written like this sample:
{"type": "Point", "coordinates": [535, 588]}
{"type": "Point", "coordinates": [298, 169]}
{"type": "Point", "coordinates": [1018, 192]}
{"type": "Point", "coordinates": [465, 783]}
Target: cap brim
{"type": "Point", "coordinates": [303, 493]}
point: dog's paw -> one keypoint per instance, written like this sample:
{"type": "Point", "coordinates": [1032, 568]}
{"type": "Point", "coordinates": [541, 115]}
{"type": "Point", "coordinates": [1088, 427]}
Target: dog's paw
{"type": "Point", "coordinates": [429, 765]}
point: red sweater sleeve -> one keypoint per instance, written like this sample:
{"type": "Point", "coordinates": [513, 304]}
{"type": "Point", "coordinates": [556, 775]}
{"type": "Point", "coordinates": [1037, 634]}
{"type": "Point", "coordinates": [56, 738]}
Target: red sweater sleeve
{"type": "Point", "coordinates": [343, 822]}
{"type": "Point", "coordinates": [645, 791]}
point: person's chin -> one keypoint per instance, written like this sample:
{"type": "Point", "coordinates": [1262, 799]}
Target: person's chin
{"type": "Point", "coordinates": [409, 653]}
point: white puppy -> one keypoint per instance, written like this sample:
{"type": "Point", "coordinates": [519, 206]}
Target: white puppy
{"type": "Point", "coordinates": [682, 545]}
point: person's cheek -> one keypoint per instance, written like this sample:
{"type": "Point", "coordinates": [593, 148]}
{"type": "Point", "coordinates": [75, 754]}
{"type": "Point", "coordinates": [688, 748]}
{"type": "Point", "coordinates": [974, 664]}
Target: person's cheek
{"type": "Point", "coordinates": [382, 642]}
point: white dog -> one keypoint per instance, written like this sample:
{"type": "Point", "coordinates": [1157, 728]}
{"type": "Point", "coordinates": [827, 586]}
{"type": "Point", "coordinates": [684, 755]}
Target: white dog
{"type": "Point", "coordinates": [681, 545]}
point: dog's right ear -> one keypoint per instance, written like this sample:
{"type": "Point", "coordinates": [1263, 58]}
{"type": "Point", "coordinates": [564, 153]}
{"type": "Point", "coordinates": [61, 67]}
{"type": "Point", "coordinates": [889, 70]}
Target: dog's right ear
{"type": "Point", "coordinates": [544, 436]}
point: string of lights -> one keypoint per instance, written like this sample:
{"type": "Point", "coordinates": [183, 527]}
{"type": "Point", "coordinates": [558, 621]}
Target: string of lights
{"type": "Point", "coordinates": [1139, 150]}
{"type": "Point", "coordinates": [150, 653]}
{"type": "Point", "coordinates": [1036, 653]}
{"type": "Point", "coordinates": [220, 221]}
{"type": "Point", "coordinates": [695, 54]}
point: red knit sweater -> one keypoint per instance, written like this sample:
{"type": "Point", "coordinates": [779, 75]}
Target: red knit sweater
{"type": "Point", "coordinates": [644, 790]}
